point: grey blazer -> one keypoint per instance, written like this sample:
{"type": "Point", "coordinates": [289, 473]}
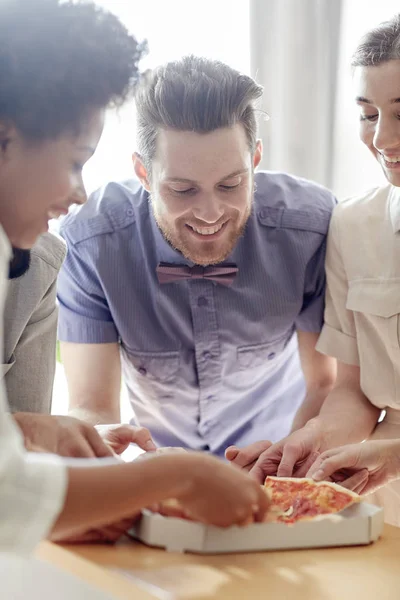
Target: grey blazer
{"type": "Point", "coordinates": [30, 329]}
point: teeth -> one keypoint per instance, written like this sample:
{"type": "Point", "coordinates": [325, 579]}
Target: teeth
{"type": "Point", "coordinates": [207, 230]}
{"type": "Point", "coordinates": [393, 159]}
{"type": "Point", "coordinates": [53, 214]}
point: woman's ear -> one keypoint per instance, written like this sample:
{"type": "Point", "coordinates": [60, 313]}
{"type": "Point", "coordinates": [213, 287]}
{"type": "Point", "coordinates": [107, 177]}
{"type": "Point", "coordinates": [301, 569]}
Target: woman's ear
{"type": "Point", "coordinates": [141, 171]}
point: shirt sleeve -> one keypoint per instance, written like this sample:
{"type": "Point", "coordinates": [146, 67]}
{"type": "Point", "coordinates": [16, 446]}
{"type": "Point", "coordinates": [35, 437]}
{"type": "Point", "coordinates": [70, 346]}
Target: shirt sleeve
{"type": "Point", "coordinates": [311, 316]}
{"type": "Point", "coordinates": [32, 489]}
{"type": "Point", "coordinates": [84, 314]}
{"type": "Point", "coordinates": [338, 337]}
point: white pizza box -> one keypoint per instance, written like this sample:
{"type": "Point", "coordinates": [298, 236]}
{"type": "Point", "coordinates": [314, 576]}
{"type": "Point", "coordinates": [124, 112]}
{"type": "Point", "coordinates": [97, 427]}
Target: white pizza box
{"type": "Point", "coordinates": [359, 524]}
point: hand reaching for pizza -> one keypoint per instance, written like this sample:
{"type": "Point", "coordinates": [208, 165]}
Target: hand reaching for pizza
{"type": "Point", "coordinates": [246, 458]}
{"type": "Point", "coordinates": [292, 456]}
{"type": "Point", "coordinates": [362, 468]}
{"type": "Point", "coordinates": [119, 436]}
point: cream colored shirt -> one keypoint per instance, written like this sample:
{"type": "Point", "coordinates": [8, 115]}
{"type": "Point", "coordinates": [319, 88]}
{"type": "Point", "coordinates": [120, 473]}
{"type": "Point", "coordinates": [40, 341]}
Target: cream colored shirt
{"type": "Point", "coordinates": [362, 325]}
{"type": "Point", "coordinates": [32, 486]}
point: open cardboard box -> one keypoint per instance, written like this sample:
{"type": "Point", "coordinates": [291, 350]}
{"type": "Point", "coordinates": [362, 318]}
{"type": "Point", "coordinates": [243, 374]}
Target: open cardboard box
{"type": "Point", "coordinates": [359, 524]}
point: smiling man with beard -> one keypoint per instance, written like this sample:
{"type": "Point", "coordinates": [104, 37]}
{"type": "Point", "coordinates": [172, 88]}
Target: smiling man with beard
{"type": "Point", "coordinates": [203, 279]}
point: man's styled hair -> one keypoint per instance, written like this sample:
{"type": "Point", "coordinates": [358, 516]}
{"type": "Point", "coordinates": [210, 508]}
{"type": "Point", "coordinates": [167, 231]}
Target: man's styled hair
{"type": "Point", "coordinates": [59, 60]}
{"type": "Point", "coordinates": [194, 94]}
{"type": "Point", "coordinates": [379, 45]}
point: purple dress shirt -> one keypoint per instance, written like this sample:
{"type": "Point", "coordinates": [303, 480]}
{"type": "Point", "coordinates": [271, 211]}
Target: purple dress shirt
{"type": "Point", "coordinates": [205, 365]}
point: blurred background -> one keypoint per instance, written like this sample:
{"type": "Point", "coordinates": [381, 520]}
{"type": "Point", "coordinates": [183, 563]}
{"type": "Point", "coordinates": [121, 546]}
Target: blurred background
{"type": "Point", "coordinates": [299, 50]}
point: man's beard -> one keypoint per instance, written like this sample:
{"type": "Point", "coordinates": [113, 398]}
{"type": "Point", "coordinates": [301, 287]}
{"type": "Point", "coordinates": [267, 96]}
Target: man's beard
{"type": "Point", "coordinates": [213, 252]}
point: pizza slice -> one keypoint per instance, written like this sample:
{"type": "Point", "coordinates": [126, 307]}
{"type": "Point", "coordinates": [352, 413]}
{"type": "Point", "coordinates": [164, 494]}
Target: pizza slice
{"type": "Point", "coordinates": [299, 499]}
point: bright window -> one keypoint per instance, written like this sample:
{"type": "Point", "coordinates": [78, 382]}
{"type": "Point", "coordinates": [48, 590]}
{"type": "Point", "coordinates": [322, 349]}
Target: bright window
{"type": "Point", "coordinates": [217, 29]}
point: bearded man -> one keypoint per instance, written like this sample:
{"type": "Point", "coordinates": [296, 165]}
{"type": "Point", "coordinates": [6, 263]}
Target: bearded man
{"type": "Point", "coordinates": [201, 281]}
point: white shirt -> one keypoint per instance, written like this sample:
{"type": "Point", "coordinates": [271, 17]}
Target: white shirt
{"type": "Point", "coordinates": [32, 486]}
{"type": "Point", "coordinates": [362, 315]}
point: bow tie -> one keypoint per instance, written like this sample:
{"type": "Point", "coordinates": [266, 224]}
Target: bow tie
{"type": "Point", "coordinates": [167, 273]}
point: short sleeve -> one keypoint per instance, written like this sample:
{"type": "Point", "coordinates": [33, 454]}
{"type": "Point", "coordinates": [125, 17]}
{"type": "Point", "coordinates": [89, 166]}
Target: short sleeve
{"type": "Point", "coordinates": [338, 337]}
{"type": "Point", "coordinates": [84, 314]}
{"type": "Point", "coordinates": [311, 316]}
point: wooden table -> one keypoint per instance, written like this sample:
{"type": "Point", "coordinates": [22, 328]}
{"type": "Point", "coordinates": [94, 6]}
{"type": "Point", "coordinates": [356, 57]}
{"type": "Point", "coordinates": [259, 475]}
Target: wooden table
{"type": "Point", "coordinates": [357, 573]}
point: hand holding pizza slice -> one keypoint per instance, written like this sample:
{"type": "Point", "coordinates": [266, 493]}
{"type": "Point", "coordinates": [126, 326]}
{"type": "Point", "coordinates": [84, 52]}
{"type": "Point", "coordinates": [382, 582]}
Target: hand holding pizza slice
{"type": "Point", "coordinates": [290, 500]}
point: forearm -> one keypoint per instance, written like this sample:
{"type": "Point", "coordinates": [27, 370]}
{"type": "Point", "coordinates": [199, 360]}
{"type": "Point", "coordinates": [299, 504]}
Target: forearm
{"type": "Point", "coordinates": [96, 416]}
{"type": "Point", "coordinates": [346, 416]}
{"type": "Point", "coordinates": [386, 430]}
{"type": "Point", "coordinates": [310, 407]}
{"type": "Point", "coordinates": [124, 489]}
{"type": "Point", "coordinates": [93, 373]}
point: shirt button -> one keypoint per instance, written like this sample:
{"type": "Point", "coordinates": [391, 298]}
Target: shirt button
{"type": "Point", "coordinates": [142, 370]}
{"type": "Point", "coordinates": [207, 354]}
{"type": "Point", "coordinates": [271, 355]}
{"type": "Point", "coordinates": [202, 301]}
{"type": "Point", "coordinates": [129, 212]}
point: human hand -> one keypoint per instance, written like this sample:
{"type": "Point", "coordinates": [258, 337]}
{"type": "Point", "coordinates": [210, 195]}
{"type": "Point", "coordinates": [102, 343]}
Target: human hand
{"type": "Point", "coordinates": [362, 468]}
{"type": "Point", "coordinates": [118, 437]}
{"type": "Point", "coordinates": [61, 435]}
{"type": "Point", "coordinates": [214, 493]}
{"type": "Point", "coordinates": [290, 457]}
{"type": "Point", "coordinates": [245, 458]}
{"type": "Point", "coordinates": [108, 534]}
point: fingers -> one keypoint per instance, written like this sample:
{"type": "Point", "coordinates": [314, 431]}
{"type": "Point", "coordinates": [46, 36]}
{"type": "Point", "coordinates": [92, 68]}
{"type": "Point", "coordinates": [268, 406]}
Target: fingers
{"type": "Point", "coordinates": [257, 472]}
{"type": "Point", "coordinates": [119, 437]}
{"type": "Point", "coordinates": [255, 508]}
{"type": "Point", "coordinates": [106, 534]}
{"type": "Point", "coordinates": [262, 505]}
{"type": "Point", "coordinates": [267, 463]}
{"type": "Point", "coordinates": [78, 446]}
{"type": "Point", "coordinates": [305, 467]}
{"type": "Point", "coordinates": [328, 463]}
{"type": "Point", "coordinates": [357, 481]}
{"type": "Point", "coordinates": [91, 536]}
{"type": "Point", "coordinates": [290, 455]}
{"type": "Point", "coordinates": [243, 457]}
{"type": "Point", "coordinates": [98, 447]}
{"type": "Point", "coordinates": [143, 439]}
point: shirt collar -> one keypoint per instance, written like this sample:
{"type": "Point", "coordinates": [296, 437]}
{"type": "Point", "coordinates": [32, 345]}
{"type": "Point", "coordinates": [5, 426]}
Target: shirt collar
{"type": "Point", "coordinates": [394, 207]}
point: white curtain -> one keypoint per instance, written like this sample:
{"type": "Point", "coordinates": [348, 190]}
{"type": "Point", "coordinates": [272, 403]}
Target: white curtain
{"type": "Point", "coordinates": [294, 56]}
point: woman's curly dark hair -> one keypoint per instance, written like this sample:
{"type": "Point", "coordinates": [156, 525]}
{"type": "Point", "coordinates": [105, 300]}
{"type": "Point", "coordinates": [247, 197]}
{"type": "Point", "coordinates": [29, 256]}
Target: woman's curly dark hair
{"type": "Point", "coordinates": [59, 60]}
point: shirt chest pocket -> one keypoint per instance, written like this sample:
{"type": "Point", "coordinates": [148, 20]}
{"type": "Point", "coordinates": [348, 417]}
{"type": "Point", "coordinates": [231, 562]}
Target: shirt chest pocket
{"type": "Point", "coordinates": [379, 302]}
{"type": "Point", "coordinates": [376, 306]}
{"type": "Point", "coordinates": [257, 355]}
{"type": "Point", "coordinates": [155, 366]}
